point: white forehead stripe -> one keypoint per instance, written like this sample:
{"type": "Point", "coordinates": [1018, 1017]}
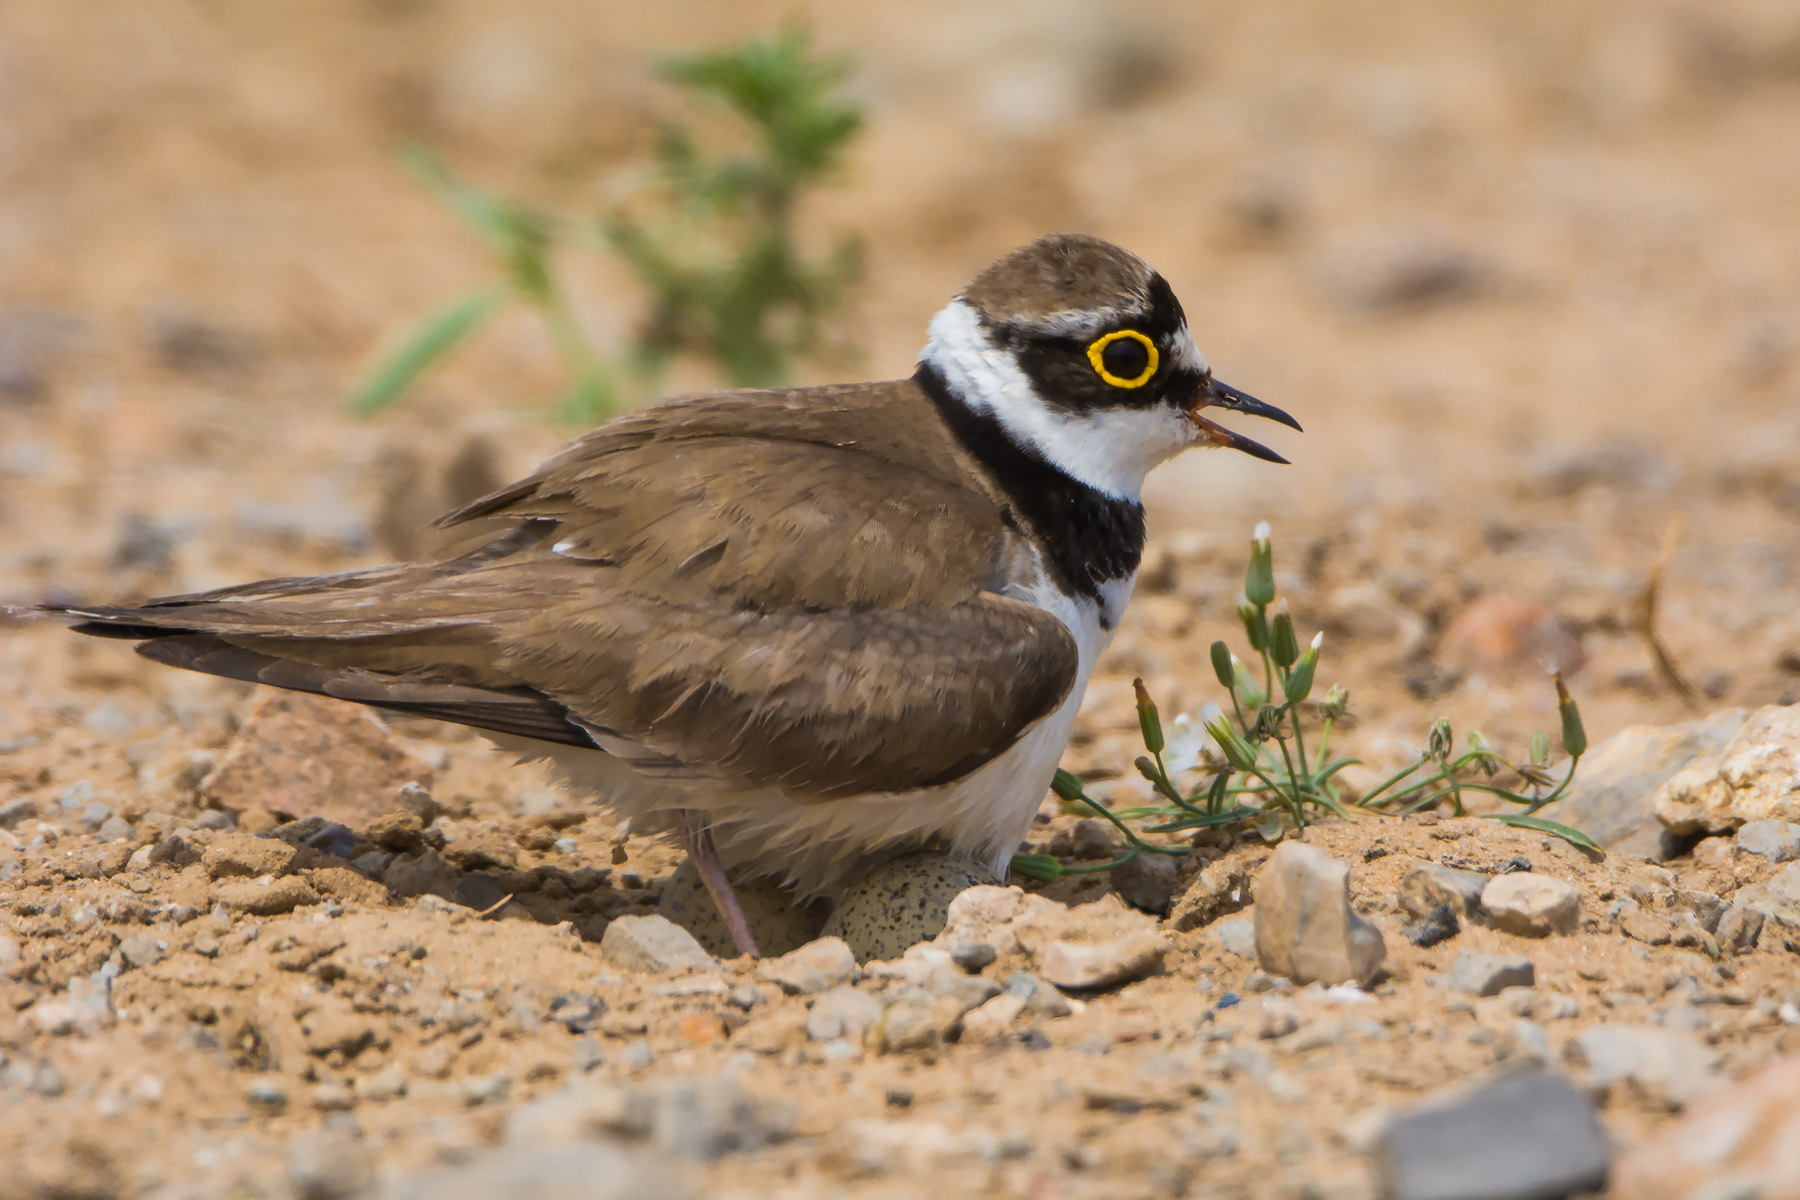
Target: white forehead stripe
{"type": "Point", "coordinates": [1109, 449]}
{"type": "Point", "coordinates": [1186, 353]}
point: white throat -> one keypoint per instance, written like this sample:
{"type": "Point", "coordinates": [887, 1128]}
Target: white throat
{"type": "Point", "coordinates": [1111, 450]}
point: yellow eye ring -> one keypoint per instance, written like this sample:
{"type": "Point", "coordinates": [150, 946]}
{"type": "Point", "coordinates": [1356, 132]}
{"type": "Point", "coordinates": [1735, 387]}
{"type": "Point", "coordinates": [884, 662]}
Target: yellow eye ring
{"type": "Point", "coordinates": [1097, 349]}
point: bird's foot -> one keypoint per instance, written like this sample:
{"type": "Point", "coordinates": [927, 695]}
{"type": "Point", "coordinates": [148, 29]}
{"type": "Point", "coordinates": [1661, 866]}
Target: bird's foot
{"type": "Point", "coordinates": [696, 836]}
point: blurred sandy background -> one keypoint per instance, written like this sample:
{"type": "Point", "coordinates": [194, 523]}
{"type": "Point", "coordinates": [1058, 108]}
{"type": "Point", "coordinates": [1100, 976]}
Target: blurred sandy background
{"type": "Point", "coordinates": [1528, 272]}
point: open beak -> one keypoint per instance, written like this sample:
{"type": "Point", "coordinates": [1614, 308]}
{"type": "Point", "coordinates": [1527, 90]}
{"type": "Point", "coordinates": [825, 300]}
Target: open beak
{"type": "Point", "coordinates": [1219, 395]}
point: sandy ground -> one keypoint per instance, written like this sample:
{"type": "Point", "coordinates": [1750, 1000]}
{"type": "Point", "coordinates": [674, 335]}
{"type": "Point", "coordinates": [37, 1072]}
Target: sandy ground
{"type": "Point", "coordinates": [1526, 272]}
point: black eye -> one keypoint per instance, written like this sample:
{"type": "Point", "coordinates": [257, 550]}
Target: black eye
{"type": "Point", "coordinates": [1124, 358]}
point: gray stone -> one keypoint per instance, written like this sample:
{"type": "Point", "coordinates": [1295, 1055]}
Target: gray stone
{"type": "Point", "coordinates": [1305, 929]}
{"type": "Point", "coordinates": [586, 1171]}
{"type": "Point", "coordinates": [1147, 881]}
{"type": "Point", "coordinates": [16, 812]}
{"type": "Point", "coordinates": [174, 851]}
{"type": "Point", "coordinates": [813, 968]}
{"type": "Point", "coordinates": [964, 990]}
{"type": "Point", "coordinates": [1237, 935]}
{"type": "Point", "coordinates": [1777, 841]}
{"type": "Point", "coordinates": [141, 951]}
{"type": "Point", "coordinates": [95, 814]}
{"type": "Point", "coordinates": [1088, 838]}
{"type": "Point", "coordinates": [701, 1119]}
{"type": "Point", "coordinates": [1429, 886]}
{"type": "Point", "coordinates": [116, 829]}
{"type": "Point", "coordinates": [267, 1096]}
{"type": "Point", "coordinates": [992, 1022]}
{"type": "Point", "coordinates": [1766, 914]}
{"type": "Point", "coordinates": [653, 944]}
{"type": "Point", "coordinates": [1669, 1067]}
{"type": "Point", "coordinates": [1119, 960]}
{"type": "Point", "coordinates": [973, 957]}
{"type": "Point", "coordinates": [1610, 799]}
{"type": "Point", "coordinates": [1531, 905]}
{"type": "Point", "coordinates": [1525, 1136]}
{"type": "Point", "coordinates": [906, 1026]}
{"type": "Point", "coordinates": [1489, 974]}
{"type": "Point", "coordinates": [1438, 925]}
{"type": "Point", "coordinates": [843, 1012]}
{"type": "Point", "coordinates": [329, 1164]}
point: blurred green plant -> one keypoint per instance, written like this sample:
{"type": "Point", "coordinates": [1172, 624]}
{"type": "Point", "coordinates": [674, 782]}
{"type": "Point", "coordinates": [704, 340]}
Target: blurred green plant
{"type": "Point", "coordinates": [713, 247]}
{"type": "Point", "coordinates": [1252, 765]}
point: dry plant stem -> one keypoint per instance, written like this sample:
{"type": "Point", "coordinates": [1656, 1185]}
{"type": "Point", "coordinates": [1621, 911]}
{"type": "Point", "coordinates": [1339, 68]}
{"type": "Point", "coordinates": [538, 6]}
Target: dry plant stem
{"type": "Point", "coordinates": [696, 838]}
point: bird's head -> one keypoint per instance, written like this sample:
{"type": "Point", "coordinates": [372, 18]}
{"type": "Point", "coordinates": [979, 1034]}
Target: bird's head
{"type": "Point", "coordinates": [1081, 353]}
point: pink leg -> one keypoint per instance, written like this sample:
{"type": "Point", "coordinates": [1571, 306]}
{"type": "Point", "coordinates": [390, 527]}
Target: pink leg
{"type": "Point", "coordinates": [696, 836]}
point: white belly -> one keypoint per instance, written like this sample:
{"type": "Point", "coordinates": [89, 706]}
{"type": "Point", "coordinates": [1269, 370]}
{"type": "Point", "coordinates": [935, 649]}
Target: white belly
{"type": "Point", "coordinates": [813, 844]}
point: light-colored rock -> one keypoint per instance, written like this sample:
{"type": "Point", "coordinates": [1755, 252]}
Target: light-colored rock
{"type": "Point", "coordinates": [700, 1118]}
{"type": "Point", "coordinates": [1765, 914]}
{"type": "Point", "coordinates": [1611, 798]}
{"type": "Point", "coordinates": [653, 944]}
{"type": "Point", "coordinates": [1669, 1067]}
{"type": "Point", "coordinates": [1013, 922]}
{"type": "Point", "coordinates": [1276, 1017]}
{"type": "Point", "coordinates": [1428, 886]}
{"type": "Point", "coordinates": [815, 967]}
{"type": "Point", "coordinates": [912, 1026]}
{"type": "Point", "coordinates": [1742, 1141]}
{"type": "Point", "coordinates": [946, 981]}
{"type": "Point", "coordinates": [580, 1171]}
{"type": "Point", "coordinates": [992, 914]}
{"type": "Point", "coordinates": [85, 1009]}
{"type": "Point", "coordinates": [1120, 960]}
{"type": "Point", "coordinates": [1755, 778]}
{"type": "Point", "coordinates": [1237, 936]}
{"type": "Point", "coordinates": [1777, 841]}
{"type": "Point", "coordinates": [993, 1020]}
{"type": "Point", "coordinates": [1488, 974]}
{"type": "Point", "coordinates": [842, 1012]}
{"type": "Point", "coordinates": [1531, 905]}
{"type": "Point", "coordinates": [1305, 928]}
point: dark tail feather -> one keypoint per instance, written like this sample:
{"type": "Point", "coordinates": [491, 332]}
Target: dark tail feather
{"type": "Point", "coordinates": [521, 711]}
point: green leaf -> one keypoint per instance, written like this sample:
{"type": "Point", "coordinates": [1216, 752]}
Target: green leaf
{"type": "Point", "coordinates": [1574, 837]}
{"type": "Point", "coordinates": [430, 340]}
{"type": "Point", "coordinates": [1042, 867]}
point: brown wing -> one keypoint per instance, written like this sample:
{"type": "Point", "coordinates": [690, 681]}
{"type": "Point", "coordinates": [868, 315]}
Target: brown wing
{"type": "Point", "coordinates": [730, 586]}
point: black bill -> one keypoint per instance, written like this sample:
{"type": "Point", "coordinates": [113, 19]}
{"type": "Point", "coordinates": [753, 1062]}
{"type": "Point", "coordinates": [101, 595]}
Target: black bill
{"type": "Point", "coordinates": [1221, 395]}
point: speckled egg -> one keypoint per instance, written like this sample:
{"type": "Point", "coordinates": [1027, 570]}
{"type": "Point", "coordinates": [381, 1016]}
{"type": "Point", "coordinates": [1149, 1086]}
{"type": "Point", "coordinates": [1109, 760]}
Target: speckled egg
{"type": "Point", "coordinates": [776, 922]}
{"type": "Point", "coordinates": [902, 903]}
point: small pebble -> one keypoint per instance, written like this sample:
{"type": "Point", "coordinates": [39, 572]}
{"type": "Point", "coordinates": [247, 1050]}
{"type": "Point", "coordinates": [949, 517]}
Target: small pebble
{"type": "Point", "coordinates": [1531, 905]}
{"type": "Point", "coordinates": [973, 957]}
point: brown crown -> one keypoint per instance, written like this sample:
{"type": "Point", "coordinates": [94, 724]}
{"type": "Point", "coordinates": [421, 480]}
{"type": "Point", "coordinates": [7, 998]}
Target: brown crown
{"type": "Point", "coordinates": [1060, 273]}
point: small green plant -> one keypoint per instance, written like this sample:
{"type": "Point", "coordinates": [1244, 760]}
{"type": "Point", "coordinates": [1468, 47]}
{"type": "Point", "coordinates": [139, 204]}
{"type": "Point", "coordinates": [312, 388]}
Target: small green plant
{"type": "Point", "coordinates": [1252, 767]}
{"type": "Point", "coordinates": [711, 242]}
